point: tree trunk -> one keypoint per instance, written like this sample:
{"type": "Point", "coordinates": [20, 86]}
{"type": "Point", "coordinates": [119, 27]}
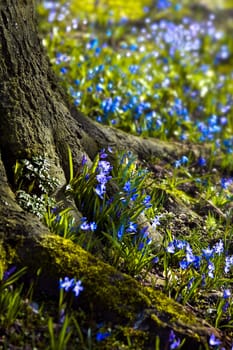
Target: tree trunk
{"type": "Point", "coordinates": [36, 119]}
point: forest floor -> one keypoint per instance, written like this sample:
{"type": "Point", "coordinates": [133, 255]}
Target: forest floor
{"type": "Point", "coordinates": [166, 72]}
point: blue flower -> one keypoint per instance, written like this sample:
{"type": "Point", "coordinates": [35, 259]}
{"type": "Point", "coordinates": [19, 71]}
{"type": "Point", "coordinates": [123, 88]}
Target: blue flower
{"type": "Point", "coordinates": [174, 342]}
{"type": "Point", "coordinates": [170, 248]}
{"type": "Point", "coordinates": [213, 341]}
{"type": "Point", "coordinates": [197, 262]}
{"type": "Point", "coordinates": [155, 221]}
{"type": "Point", "coordinates": [219, 247]}
{"type": "Point", "coordinates": [8, 273]}
{"type": "Point", "coordinates": [133, 68]}
{"type": "Point", "coordinates": [141, 246]}
{"type": "Point", "coordinates": [226, 306]}
{"type": "Point", "coordinates": [184, 264]}
{"type": "Point", "coordinates": [190, 282]}
{"type": "Point", "coordinates": [189, 254]}
{"type": "Point", "coordinates": [184, 160]}
{"type": "Point", "coordinates": [100, 336]}
{"type": "Point", "coordinates": [104, 166]}
{"type": "Point", "coordinates": [89, 89]}
{"type": "Point", "coordinates": [172, 336]}
{"type": "Point", "coordinates": [77, 288]}
{"type": "Point", "coordinates": [132, 228]}
{"type": "Point", "coordinates": [146, 201]}
{"type": "Point", "coordinates": [67, 284]}
{"type": "Point", "coordinates": [120, 232]}
{"type": "Point", "coordinates": [134, 197]}
{"type": "Point", "coordinates": [84, 226]}
{"type": "Point", "coordinates": [177, 164]}
{"type": "Point", "coordinates": [211, 268]}
{"type": "Point", "coordinates": [93, 43]}
{"type": "Point", "coordinates": [201, 161]}
{"type": "Point", "coordinates": [207, 253]}
{"type": "Point", "coordinates": [71, 284]}
{"type": "Point", "coordinates": [102, 178]}
{"type": "Point", "coordinates": [127, 187]}
{"type": "Point", "coordinates": [103, 154]}
{"type": "Point", "coordinates": [180, 244]}
{"type": "Point", "coordinates": [203, 280]}
{"type": "Point", "coordinates": [93, 226]}
{"type": "Point", "coordinates": [226, 293]}
{"type": "Point", "coordinates": [100, 190]}
{"type": "Point", "coordinates": [228, 263]}
{"type": "Point", "coordinates": [99, 88]}
{"type": "Point", "coordinates": [226, 182]}
{"type": "Point", "coordinates": [84, 160]}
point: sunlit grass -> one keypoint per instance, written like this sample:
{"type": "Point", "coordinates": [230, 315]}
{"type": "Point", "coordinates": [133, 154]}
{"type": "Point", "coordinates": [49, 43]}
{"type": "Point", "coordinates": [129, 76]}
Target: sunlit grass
{"type": "Point", "coordinates": [131, 9]}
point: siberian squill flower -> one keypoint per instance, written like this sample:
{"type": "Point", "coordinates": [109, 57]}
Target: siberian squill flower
{"type": "Point", "coordinates": [71, 284]}
{"type": "Point", "coordinates": [219, 247]}
{"type": "Point", "coordinates": [155, 221]}
{"type": "Point", "coordinates": [213, 341]}
{"type": "Point", "coordinates": [8, 273]}
{"type": "Point", "coordinates": [120, 232]}
{"type": "Point", "coordinates": [174, 342]}
{"type": "Point", "coordinates": [226, 293]}
{"type": "Point", "coordinates": [85, 226]}
{"type": "Point", "coordinates": [228, 263]}
{"type": "Point", "coordinates": [100, 336]}
{"type": "Point", "coordinates": [170, 248]}
{"type": "Point", "coordinates": [208, 253]}
{"type": "Point", "coordinates": [77, 288]}
{"type": "Point", "coordinates": [201, 161]}
{"type": "Point", "coordinates": [67, 284]}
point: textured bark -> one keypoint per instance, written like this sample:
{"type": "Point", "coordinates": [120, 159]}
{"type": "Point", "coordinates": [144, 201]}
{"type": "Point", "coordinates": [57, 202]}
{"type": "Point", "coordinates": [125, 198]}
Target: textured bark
{"type": "Point", "coordinates": [36, 119]}
{"type": "Point", "coordinates": [32, 106]}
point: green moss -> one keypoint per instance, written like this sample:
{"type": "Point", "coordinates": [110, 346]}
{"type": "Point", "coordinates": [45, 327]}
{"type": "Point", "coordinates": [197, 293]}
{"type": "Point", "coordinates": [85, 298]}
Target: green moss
{"type": "Point", "coordinates": [157, 321]}
{"type": "Point", "coordinates": [7, 256]}
{"type": "Point", "coordinates": [2, 259]}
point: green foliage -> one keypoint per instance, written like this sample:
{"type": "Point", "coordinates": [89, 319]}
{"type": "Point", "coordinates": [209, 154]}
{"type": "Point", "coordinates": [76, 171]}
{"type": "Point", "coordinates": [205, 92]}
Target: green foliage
{"type": "Point", "coordinates": [33, 176]}
{"type": "Point", "coordinates": [60, 222]}
{"type": "Point", "coordinates": [34, 185]}
{"type": "Point", "coordinates": [116, 216]}
{"type": "Point", "coordinates": [10, 298]}
{"type": "Point", "coordinates": [59, 340]}
{"type": "Point", "coordinates": [37, 205]}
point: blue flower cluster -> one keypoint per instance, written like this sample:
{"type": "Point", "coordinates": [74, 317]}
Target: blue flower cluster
{"type": "Point", "coordinates": [71, 284]}
{"type": "Point", "coordinates": [104, 168]}
{"type": "Point", "coordinates": [182, 161]}
{"type": "Point", "coordinates": [207, 256]}
{"type": "Point", "coordinates": [210, 128]}
{"type": "Point", "coordinates": [85, 226]}
{"type": "Point", "coordinates": [174, 342]}
{"type": "Point", "coordinates": [144, 100]}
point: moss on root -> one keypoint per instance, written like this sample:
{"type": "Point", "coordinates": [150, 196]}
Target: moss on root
{"type": "Point", "coordinates": [2, 258]}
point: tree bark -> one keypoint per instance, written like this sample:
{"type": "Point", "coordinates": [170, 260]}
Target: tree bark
{"type": "Point", "coordinates": [37, 119]}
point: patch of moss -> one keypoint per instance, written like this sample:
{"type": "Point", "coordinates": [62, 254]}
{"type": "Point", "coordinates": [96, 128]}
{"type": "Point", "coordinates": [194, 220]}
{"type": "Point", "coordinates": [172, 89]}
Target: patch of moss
{"type": "Point", "coordinates": [7, 256]}
{"type": "Point", "coordinates": [2, 259]}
